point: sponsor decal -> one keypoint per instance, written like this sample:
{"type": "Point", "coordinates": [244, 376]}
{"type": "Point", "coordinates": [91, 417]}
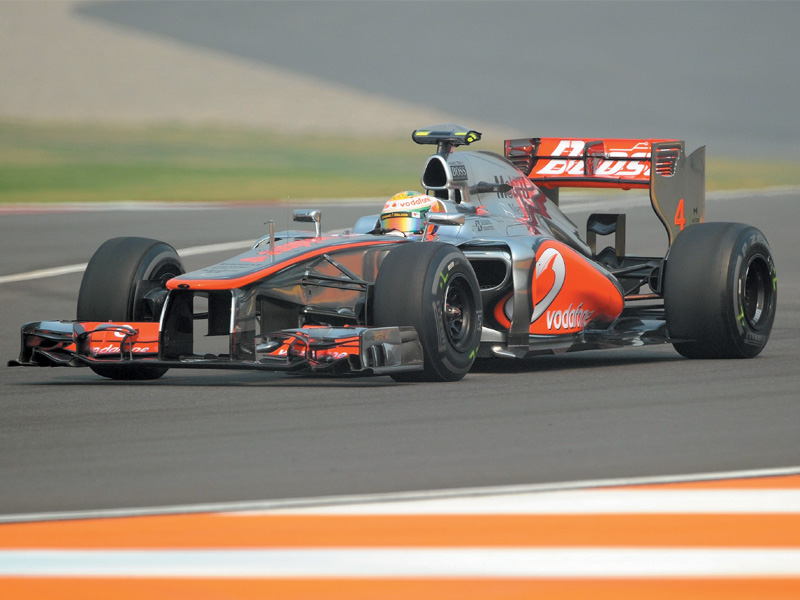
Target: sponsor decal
{"type": "Point", "coordinates": [756, 339]}
{"type": "Point", "coordinates": [569, 318]}
{"type": "Point", "coordinates": [401, 213]}
{"type": "Point", "coordinates": [408, 203]}
{"type": "Point", "coordinates": [550, 267]}
{"type": "Point", "coordinates": [114, 349]}
{"type": "Point", "coordinates": [482, 225]}
{"type": "Point", "coordinates": [500, 179]}
{"type": "Point", "coordinates": [522, 190]}
{"type": "Point", "coordinates": [458, 171]}
{"type": "Point", "coordinates": [103, 345]}
{"type": "Point", "coordinates": [563, 167]}
{"type": "Point", "coordinates": [332, 354]}
{"type": "Point", "coordinates": [551, 272]}
{"type": "Point", "coordinates": [606, 168]}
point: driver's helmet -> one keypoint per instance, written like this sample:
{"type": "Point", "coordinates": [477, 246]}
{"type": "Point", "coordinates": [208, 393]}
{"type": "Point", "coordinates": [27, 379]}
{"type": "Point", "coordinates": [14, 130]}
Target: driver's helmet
{"type": "Point", "coordinates": [406, 212]}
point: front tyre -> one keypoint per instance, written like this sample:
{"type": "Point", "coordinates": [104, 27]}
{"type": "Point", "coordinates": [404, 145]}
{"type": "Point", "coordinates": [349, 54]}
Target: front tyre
{"type": "Point", "coordinates": [720, 291]}
{"type": "Point", "coordinates": [114, 285]}
{"type": "Point", "coordinates": [432, 287]}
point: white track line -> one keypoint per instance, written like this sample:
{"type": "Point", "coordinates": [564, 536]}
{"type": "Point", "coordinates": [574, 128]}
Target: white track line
{"type": "Point", "coordinates": [405, 562]}
{"type": "Point", "coordinates": [79, 268]}
{"type": "Point", "coordinates": [43, 208]}
{"type": "Point", "coordinates": [42, 273]}
{"type": "Point", "coordinates": [576, 502]}
{"type": "Point", "coordinates": [211, 248]}
{"type": "Point", "coordinates": [321, 502]}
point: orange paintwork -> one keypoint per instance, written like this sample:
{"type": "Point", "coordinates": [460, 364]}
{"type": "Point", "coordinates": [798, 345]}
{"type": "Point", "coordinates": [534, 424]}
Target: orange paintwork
{"type": "Point", "coordinates": [253, 531]}
{"type": "Point", "coordinates": [568, 291]}
{"type": "Point", "coordinates": [400, 589]}
{"type": "Point", "coordinates": [108, 342]}
{"type": "Point", "coordinates": [297, 345]}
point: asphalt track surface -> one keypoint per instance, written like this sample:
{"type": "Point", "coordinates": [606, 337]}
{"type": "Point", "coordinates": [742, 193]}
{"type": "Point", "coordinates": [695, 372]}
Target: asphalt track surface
{"type": "Point", "coordinates": [70, 440]}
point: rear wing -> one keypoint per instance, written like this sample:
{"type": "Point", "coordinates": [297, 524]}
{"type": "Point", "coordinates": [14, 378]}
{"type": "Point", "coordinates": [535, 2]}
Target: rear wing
{"type": "Point", "coordinates": [676, 182]}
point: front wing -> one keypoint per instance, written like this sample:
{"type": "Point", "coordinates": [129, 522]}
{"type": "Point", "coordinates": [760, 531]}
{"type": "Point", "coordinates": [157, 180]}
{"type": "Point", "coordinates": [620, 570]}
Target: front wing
{"type": "Point", "coordinates": [333, 350]}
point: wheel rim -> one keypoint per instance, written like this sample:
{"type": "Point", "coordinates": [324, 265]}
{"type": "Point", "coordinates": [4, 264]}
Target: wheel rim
{"type": "Point", "coordinates": [756, 295]}
{"type": "Point", "coordinates": [165, 272]}
{"type": "Point", "coordinates": [142, 308]}
{"type": "Point", "coordinates": [459, 311]}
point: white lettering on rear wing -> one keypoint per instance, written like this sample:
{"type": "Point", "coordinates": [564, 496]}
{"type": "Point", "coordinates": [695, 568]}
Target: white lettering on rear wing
{"type": "Point", "coordinates": [676, 182]}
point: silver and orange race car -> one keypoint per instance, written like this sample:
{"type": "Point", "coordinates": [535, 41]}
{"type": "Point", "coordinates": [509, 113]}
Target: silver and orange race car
{"type": "Point", "coordinates": [481, 264]}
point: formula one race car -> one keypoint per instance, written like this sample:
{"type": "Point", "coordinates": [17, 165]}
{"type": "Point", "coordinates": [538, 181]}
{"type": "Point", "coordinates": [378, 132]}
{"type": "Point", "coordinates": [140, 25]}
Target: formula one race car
{"type": "Point", "coordinates": [482, 264]}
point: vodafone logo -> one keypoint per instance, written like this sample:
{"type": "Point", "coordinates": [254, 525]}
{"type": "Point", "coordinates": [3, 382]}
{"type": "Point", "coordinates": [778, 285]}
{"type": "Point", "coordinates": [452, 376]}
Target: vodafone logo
{"type": "Point", "coordinates": [569, 318]}
{"type": "Point", "coordinates": [415, 202]}
{"type": "Point", "coordinates": [114, 349]}
{"type": "Point", "coordinates": [551, 272]}
{"type": "Point", "coordinates": [550, 269]}
{"type": "Point", "coordinates": [129, 331]}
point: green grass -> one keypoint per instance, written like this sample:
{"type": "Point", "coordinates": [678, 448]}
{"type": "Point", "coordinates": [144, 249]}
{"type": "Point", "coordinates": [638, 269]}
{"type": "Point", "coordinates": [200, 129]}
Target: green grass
{"type": "Point", "coordinates": [100, 163]}
{"type": "Point", "coordinates": [734, 174]}
{"type": "Point", "coordinates": [54, 163]}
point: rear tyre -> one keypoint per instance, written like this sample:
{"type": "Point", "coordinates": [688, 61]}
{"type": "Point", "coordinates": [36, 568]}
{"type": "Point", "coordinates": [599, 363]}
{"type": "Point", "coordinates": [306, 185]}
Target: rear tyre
{"type": "Point", "coordinates": [432, 287]}
{"type": "Point", "coordinates": [720, 291]}
{"type": "Point", "coordinates": [111, 290]}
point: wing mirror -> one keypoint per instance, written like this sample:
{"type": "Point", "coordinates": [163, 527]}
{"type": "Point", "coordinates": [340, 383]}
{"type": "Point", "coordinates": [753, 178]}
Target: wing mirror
{"type": "Point", "coordinates": [303, 215]}
{"type": "Point", "coordinates": [445, 219]}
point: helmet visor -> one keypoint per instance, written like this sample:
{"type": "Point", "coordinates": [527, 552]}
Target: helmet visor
{"type": "Point", "coordinates": [405, 221]}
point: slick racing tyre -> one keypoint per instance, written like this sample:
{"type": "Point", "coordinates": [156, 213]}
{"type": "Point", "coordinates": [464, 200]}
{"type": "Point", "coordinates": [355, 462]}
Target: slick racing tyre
{"type": "Point", "coordinates": [720, 291]}
{"type": "Point", "coordinates": [432, 287]}
{"type": "Point", "coordinates": [112, 290]}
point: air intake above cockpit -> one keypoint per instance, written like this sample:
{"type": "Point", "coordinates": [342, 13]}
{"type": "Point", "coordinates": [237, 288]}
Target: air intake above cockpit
{"type": "Point", "coordinates": [434, 176]}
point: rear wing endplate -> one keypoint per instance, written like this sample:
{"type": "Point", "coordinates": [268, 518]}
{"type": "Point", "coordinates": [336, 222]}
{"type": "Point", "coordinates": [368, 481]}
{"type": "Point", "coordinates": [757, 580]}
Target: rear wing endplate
{"type": "Point", "coordinates": [677, 183]}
